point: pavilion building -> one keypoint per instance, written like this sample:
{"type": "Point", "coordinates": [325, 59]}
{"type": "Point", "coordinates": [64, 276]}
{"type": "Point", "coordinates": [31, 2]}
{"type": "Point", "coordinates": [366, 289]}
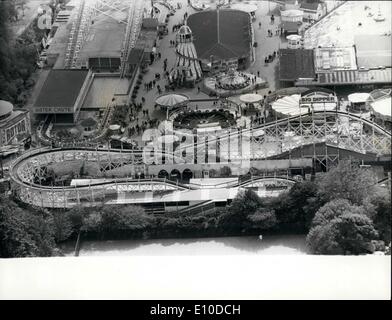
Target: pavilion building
{"type": "Point", "coordinates": [223, 38]}
{"type": "Point", "coordinates": [14, 124]}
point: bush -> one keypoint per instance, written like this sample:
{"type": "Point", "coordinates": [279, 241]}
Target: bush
{"type": "Point", "coordinates": [24, 233]}
{"type": "Point", "coordinates": [341, 228]}
{"type": "Point", "coordinates": [62, 226]}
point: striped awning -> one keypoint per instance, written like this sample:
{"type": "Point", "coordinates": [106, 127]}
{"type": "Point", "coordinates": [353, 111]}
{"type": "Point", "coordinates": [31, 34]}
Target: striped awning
{"type": "Point", "coordinates": [356, 77]}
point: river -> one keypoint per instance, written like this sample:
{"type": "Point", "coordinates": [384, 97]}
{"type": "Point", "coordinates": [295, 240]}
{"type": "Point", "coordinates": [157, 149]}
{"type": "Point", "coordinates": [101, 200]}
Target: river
{"type": "Point", "coordinates": [269, 245]}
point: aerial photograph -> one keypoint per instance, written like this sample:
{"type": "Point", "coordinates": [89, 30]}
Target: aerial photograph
{"type": "Point", "coordinates": [174, 128]}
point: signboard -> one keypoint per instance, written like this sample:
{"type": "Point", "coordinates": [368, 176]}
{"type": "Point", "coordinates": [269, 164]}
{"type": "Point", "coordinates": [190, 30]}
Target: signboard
{"type": "Point", "coordinates": [317, 99]}
{"type": "Point", "coordinates": [53, 110]}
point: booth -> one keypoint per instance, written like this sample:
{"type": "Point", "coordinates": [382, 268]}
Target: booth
{"type": "Point", "coordinates": [294, 41]}
{"type": "Point", "coordinates": [358, 102]}
{"type": "Point", "coordinates": [292, 15]}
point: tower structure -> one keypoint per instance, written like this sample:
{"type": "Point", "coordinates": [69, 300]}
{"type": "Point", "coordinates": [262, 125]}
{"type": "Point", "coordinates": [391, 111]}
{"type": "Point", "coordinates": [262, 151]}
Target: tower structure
{"type": "Point", "coordinates": [187, 70]}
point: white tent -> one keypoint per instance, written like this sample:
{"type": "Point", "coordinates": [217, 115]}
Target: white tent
{"type": "Point", "coordinates": [171, 101]}
{"type": "Point", "coordinates": [251, 98]}
{"type": "Point", "coordinates": [358, 97]}
{"type": "Point", "coordinates": [382, 107]}
{"type": "Point", "coordinates": [289, 105]}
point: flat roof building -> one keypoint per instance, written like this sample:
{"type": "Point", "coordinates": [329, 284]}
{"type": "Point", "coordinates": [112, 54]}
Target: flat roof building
{"type": "Point", "coordinates": [102, 46]}
{"type": "Point", "coordinates": [295, 64]}
{"type": "Point", "coordinates": [62, 95]}
{"type": "Point", "coordinates": [328, 59]}
{"type": "Point", "coordinates": [373, 50]}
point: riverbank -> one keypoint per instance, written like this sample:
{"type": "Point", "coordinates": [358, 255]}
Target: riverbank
{"type": "Point", "coordinates": [216, 246]}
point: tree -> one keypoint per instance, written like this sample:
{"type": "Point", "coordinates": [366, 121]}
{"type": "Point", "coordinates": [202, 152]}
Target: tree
{"type": "Point", "coordinates": [347, 234]}
{"type": "Point", "coordinates": [347, 181]}
{"type": "Point", "coordinates": [263, 219]}
{"type": "Point", "coordinates": [92, 222]}
{"type": "Point", "coordinates": [333, 209]}
{"type": "Point", "coordinates": [62, 226]}
{"type": "Point", "coordinates": [115, 218]}
{"type": "Point", "coordinates": [24, 233]}
{"type": "Point", "coordinates": [298, 206]}
{"type": "Point", "coordinates": [340, 227]}
{"type": "Point", "coordinates": [244, 204]}
{"type": "Point", "coordinates": [378, 208]}
{"type": "Point", "coordinates": [76, 216]}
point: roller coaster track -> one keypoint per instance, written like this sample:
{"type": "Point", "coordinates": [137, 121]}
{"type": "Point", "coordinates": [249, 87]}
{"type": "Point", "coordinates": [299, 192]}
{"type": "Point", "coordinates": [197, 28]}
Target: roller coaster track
{"type": "Point", "coordinates": [26, 171]}
{"type": "Point", "coordinates": [109, 189]}
{"type": "Point", "coordinates": [309, 128]}
{"type": "Point", "coordinates": [134, 23]}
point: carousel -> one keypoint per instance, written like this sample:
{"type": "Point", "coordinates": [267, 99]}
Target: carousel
{"type": "Point", "coordinates": [305, 103]}
{"type": "Point", "coordinates": [380, 104]}
{"type": "Point", "coordinates": [170, 102]}
{"type": "Point", "coordinates": [233, 82]}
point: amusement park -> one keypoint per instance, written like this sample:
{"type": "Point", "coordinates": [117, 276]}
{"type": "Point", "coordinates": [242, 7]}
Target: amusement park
{"type": "Point", "coordinates": [180, 107]}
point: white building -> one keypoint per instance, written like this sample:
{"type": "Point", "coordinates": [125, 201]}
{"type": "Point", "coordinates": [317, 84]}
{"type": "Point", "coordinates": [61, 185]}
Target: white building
{"type": "Point", "coordinates": [14, 124]}
{"type": "Point", "coordinates": [312, 11]}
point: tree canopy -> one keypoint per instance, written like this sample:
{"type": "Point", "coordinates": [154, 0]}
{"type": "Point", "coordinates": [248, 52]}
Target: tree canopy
{"type": "Point", "coordinates": [340, 227]}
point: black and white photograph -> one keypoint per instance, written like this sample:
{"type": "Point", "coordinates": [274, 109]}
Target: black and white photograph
{"type": "Point", "coordinates": [195, 149]}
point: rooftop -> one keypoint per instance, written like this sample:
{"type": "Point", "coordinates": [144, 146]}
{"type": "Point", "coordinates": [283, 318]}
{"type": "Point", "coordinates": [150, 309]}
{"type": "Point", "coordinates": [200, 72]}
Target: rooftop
{"type": "Point", "coordinates": [150, 23]}
{"type": "Point", "coordinates": [61, 88]}
{"type": "Point", "coordinates": [311, 6]}
{"type": "Point", "coordinates": [349, 20]}
{"type": "Point", "coordinates": [296, 64]}
{"type": "Point", "coordinates": [5, 108]}
{"type": "Point", "coordinates": [135, 56]}
{"type": "Point", "coordinates": [373, 50]}
{"type": "Point", "coordinates": [333, 58]}
{"type": "Point", "coordinates": [105, 36]}
{"type": "Point", "coordinates": [146, 40]}
{"type": "Point", "coordinates": [224, 33]}
{"type": "Point", "coordinates": [290, 26]}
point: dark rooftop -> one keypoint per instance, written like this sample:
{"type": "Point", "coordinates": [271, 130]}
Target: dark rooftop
{"type": "Point", "coordinates": [61, 88]}
{"type": "Point", "coordinates": [290, 26]}
{"type": "Point", "coordinates": [226, 36]}
{"type": "Point", "coordinates": [150, 23]}
{"type": "Point", "coordinates": [310, 6]}
{"type": "Point", "coordinates": [296, 63]}
{"type": "Point", "coordinates": [135, 56]}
